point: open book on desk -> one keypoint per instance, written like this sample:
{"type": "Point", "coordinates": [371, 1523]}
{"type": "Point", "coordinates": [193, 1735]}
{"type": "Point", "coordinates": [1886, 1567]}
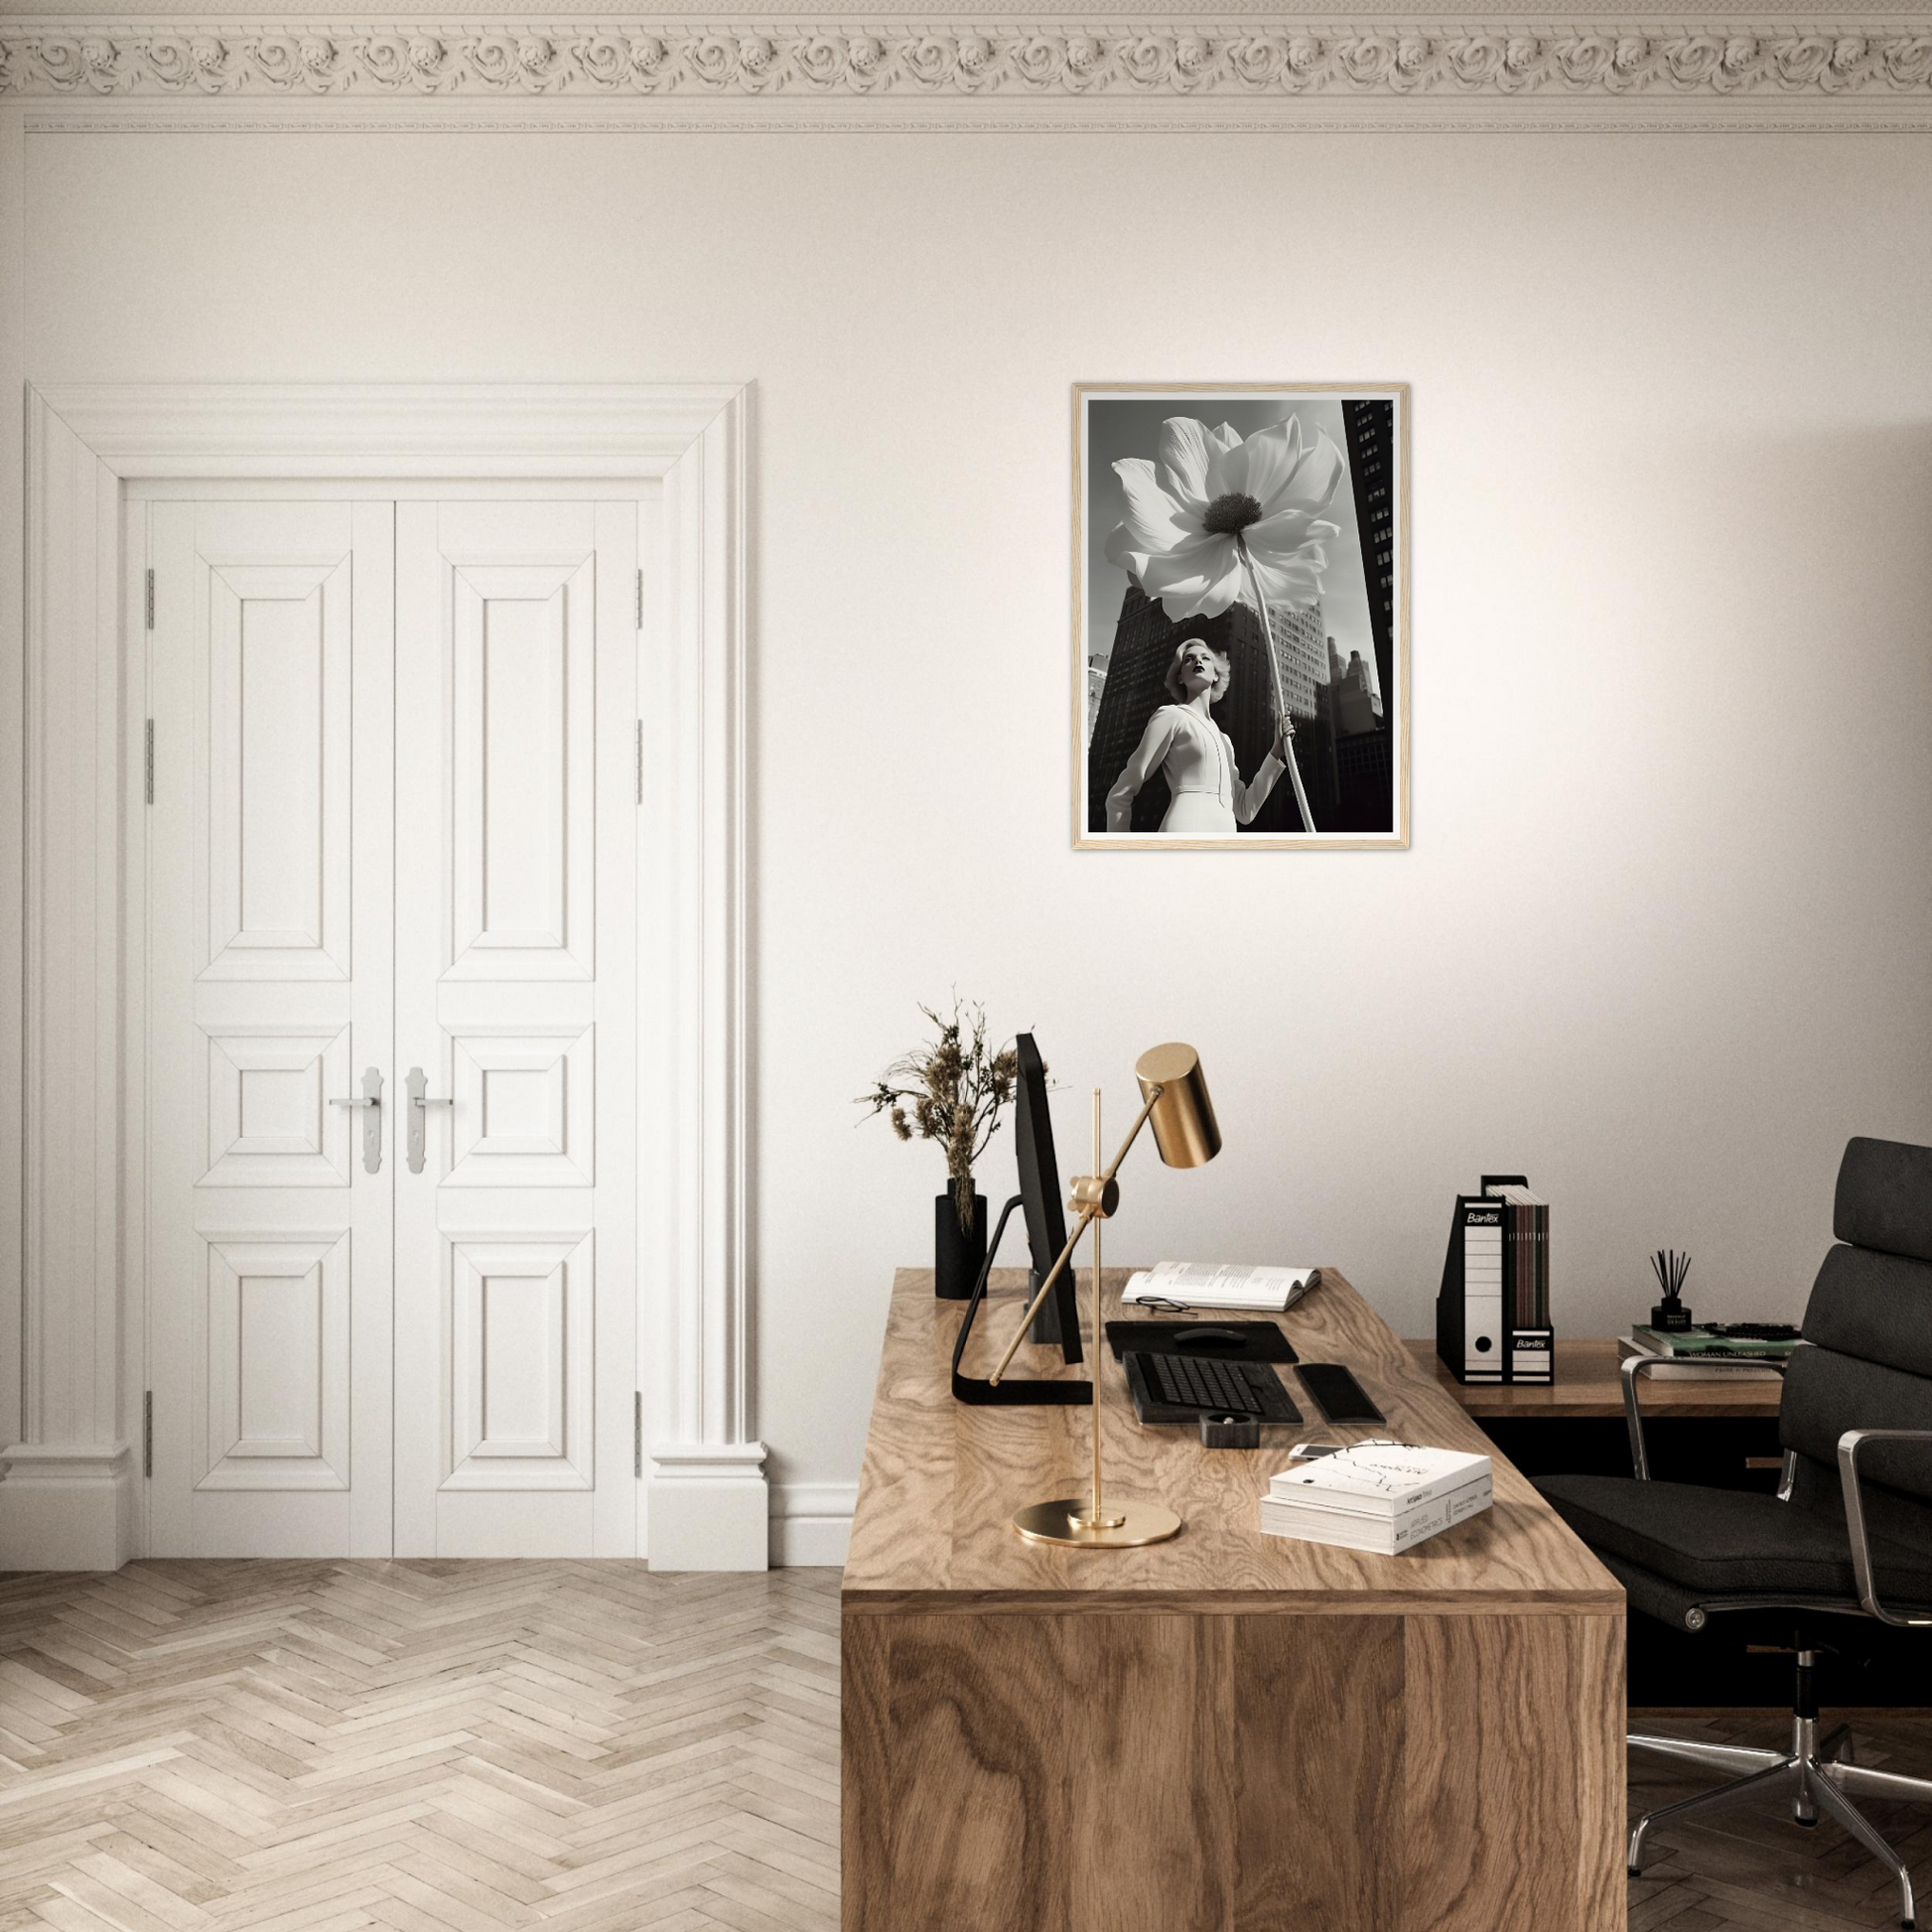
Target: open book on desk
{"type": "Point", "coordinates": [1213, 1284]}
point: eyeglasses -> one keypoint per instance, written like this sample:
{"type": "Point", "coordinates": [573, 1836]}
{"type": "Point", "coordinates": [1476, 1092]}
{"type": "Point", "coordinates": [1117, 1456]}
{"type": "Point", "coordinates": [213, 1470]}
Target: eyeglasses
{"type": "Point", "coordinates": [1165, 1306]}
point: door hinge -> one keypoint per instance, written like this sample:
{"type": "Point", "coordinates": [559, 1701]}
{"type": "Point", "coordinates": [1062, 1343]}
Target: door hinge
{"type": "Point", "coordinates": [640, 760]}
{"type": "Point", "coordinates": [150, 600]}
{"type": "Point", "coordinates": [148, 761]}
{"type": "Point", "coordinates": [638, 1434]}
{"type": "Point", "coordinates": [147, 1433]}
{"type": "Point", "coordinates": [641, 596]}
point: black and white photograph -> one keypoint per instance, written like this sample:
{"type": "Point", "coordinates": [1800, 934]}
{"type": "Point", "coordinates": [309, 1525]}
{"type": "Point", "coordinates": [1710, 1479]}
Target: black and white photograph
{"type": "Point", "coordinates": [1240, 616]}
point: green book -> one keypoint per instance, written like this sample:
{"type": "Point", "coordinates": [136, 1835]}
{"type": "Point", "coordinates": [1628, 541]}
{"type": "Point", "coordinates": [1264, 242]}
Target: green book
{"type": "Point", "coordinates": [1700, 1341]}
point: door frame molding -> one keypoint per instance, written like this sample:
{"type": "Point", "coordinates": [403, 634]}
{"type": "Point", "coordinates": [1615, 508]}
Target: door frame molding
{"type": "Point", "coordinates": [71, 1398]}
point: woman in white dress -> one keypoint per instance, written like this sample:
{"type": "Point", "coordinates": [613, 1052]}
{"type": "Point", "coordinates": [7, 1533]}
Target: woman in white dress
{"type": "Point", "coordinates": [1195, 754]}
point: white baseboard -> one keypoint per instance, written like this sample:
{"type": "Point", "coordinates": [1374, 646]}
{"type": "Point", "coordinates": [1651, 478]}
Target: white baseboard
{"type": "Point", "coordinates": [72, 1508]}
{"type": "Point", "coordinates": [811, 1523]}
{"type": "Point", "coordinates": [67, 1506]}
{"type": "Point", "coordinates": [710, 1507]}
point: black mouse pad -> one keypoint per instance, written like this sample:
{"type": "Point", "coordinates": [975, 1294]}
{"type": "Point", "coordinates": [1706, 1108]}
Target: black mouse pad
{"type": "Point", "coordinates": [1217, 1341]}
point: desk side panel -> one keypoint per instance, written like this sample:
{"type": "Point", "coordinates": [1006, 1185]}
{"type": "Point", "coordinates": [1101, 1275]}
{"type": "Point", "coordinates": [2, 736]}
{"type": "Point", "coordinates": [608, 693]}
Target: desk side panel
{"type": "Point", "coordinates": [1233, 1773]}
{"type": "Point", "coordinates": [1151, 1702]}
{"type": "Point", "coordinates": [1513, 1773]}
{"type": "Point", "coordinates": [956, 1777]}
{"type": "Point", "coordinates": [865, 1770]}
{"type": "Point", "coordinates": [1317, 1752]}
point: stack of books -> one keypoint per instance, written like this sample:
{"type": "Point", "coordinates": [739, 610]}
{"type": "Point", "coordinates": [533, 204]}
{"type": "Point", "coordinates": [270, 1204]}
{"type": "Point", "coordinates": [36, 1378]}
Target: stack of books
{"type": "Point", "coordinates": [1688, 1353]}
{"type": "Point", "coordinates": [1385, 1497]}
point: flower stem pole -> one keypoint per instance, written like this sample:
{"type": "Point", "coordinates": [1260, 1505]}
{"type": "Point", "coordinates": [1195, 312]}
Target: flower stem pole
{"type": "Point", "coordinates": [1281, 702]}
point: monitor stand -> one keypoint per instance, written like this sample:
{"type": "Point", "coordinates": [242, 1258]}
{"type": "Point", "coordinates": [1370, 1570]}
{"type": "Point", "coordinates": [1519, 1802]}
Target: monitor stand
{"type": "Point", "coordinates": [1011, 1391]}
{"type": "Point", "coordinates": [1047, 1323]}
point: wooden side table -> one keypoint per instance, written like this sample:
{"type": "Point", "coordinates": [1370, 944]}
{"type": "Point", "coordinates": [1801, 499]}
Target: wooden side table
{"type": "Point", "coordinates": [1589, 1386]}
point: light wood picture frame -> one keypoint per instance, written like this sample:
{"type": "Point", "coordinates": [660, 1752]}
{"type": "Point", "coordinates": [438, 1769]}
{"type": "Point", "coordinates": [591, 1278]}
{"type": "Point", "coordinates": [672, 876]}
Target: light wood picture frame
{"type": "Point", "coordinates": [1240, 550]}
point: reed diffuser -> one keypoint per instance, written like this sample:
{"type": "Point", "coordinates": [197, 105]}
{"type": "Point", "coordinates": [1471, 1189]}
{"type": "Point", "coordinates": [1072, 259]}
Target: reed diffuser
{"type": "Point", "coordinates": [1670, 1268]}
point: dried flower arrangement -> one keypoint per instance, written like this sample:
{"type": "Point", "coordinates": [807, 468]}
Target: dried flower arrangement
{"type": "Point", "coordinates": [950, 1092]}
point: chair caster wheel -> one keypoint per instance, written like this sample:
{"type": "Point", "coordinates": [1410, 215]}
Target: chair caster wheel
{"type": "Point", "coordinates": [1633, 1872]}
{"type": "Point", "coordinates": [1807, 1823]}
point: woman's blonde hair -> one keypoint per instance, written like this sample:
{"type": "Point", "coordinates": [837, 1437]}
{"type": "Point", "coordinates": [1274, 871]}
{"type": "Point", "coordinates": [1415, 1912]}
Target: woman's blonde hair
{"type": "Point", "coordinates": [1171, 682]}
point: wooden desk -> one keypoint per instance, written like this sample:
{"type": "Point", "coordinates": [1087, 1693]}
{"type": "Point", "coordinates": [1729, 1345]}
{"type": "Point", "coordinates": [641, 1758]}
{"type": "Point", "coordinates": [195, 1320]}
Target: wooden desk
{"type": "Point", "coordinates": [1587, 1385]}
{"type": "Point", "coordinates": [1228, 1732]}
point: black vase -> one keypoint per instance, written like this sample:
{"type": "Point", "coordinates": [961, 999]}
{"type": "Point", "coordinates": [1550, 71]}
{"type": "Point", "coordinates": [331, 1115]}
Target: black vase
{"type": "Point", "coordinates": [957, 1258]}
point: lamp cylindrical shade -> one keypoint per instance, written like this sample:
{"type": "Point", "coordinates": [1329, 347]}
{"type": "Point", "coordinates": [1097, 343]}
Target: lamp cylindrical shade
{"type": "Point", "coordinates": [1184, 1128]}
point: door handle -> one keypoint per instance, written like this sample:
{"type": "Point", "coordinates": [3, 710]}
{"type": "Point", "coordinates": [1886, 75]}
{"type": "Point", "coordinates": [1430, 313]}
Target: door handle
{"type": "Point", "coordinates": [372, 1098]}
{"type": "Point", "coordinates": [417, 1081]}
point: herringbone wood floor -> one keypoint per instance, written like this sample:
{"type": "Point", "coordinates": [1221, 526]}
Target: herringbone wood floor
{"type": "Point", "coordinates": [570, 1746]}
{"type": "Point", "coordinates": [322, 1746]}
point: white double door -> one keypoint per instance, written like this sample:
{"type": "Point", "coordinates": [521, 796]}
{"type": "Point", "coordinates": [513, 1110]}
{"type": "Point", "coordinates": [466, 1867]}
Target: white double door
{"type": "Point", "coordinates": [390, 859]}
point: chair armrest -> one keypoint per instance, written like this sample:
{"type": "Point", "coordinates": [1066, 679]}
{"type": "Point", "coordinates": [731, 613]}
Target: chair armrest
{"type": "Point", "coordinates": [1849, 1445]}
{"type": "Point", "coordinates": [1636, 1365]}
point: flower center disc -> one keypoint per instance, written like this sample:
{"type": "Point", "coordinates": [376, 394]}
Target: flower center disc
{"type": "Point", "coordinates": [1229, 516]}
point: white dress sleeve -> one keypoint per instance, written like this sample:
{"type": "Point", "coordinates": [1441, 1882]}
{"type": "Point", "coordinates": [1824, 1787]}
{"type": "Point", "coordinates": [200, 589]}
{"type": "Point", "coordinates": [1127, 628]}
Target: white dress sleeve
{"type": "Point", "coordinates": [1249, 798]}
{"type": "Point", "coordinates": [1149, 752]}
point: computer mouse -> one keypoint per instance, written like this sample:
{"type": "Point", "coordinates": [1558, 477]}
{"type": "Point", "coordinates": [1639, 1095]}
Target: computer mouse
{"type": "Point", "coordinates": [1208, 1337]}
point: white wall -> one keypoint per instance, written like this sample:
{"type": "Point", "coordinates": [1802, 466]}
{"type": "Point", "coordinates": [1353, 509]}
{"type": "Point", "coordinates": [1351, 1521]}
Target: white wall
{"type": "Point", "coordinates": [1661, 941]}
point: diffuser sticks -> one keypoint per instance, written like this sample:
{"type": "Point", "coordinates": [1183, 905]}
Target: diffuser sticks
{"type": "Point", "coordinates": [1670, 1268]}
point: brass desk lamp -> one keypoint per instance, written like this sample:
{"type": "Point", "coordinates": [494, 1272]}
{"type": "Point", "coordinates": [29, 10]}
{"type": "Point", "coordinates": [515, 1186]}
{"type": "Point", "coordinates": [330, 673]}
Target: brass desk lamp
{"type": "Point", "coordinates": [1175, 1099]}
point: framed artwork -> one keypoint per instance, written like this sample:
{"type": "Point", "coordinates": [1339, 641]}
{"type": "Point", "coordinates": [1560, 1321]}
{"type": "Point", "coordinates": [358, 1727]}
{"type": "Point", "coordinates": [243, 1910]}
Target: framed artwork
{"type": "Point", "coordinates": [1241, 616]}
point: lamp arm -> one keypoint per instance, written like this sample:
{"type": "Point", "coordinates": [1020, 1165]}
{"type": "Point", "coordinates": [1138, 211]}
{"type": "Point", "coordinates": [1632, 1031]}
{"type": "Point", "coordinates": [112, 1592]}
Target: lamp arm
{"type": "Point", "coordinates": [1134, 1133]}
{"type": "Point", "coordinates": [1088, 1215]}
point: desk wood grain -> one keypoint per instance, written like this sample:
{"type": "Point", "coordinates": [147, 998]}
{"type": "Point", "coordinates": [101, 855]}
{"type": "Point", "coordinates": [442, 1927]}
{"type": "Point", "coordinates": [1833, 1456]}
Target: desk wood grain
{"type": "Point", "coordinates": [942, 1480]}
{"type": "Point", "coordinates": [1228, 1732]}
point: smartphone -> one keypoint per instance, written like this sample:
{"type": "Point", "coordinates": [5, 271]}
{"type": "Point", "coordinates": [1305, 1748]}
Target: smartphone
{"type": "Point", "coordinates": [1336, 1393]}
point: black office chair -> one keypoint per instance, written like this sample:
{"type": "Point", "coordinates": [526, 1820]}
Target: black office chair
{"type": "Point", "coordinates": [1849, 1535]}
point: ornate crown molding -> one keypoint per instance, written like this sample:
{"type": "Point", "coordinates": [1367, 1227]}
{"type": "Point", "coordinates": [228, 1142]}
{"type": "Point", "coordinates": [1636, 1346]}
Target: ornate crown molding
{"type": "Point", "coordinates": [1175, 62]}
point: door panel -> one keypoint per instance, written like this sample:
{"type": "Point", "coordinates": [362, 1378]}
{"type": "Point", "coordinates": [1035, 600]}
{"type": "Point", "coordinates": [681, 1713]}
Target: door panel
{"type": "Point", "coordinates": [522, 1331]}
{"type": "Point", "coordinates": [515, 1242]}
{"type": "Point", "coordinates": [278, 788]}
{"type": "Point", "coordinates": [270, 993]}
{"type": "Point", "coordinates": [525, 1107]}
{"type": "Point", "coordinates": [522, 771]}
{"type": "Point", "coordinates": [278, 1363]}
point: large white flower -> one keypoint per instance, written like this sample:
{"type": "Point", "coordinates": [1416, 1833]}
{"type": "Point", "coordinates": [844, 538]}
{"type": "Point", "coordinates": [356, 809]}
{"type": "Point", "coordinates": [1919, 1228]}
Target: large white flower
{"type": "Point", "coordinates": [1213, 503]}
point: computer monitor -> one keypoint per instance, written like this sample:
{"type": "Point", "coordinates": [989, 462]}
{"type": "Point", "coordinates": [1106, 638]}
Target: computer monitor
{"type": "Point", "coordinates": [1040, 1194]}
{"type": "Point", "coordinates": [1039, 1199]}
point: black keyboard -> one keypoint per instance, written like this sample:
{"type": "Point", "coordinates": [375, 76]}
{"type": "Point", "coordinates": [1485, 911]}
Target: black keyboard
{"type": "Point", "coordinates": [1206, 1387]}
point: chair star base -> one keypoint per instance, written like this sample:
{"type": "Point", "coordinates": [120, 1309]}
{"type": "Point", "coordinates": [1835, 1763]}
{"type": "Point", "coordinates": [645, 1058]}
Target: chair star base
{"type": "Point", "coordinates": [1818, 1775]}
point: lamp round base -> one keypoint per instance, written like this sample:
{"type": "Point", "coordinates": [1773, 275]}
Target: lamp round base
{"type": "Point", "coordinates": [1062, 1521]}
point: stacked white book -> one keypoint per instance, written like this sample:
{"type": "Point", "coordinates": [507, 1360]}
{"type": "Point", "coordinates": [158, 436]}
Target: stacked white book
{"type": "Point", "coordinates": [1381, 1496]}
